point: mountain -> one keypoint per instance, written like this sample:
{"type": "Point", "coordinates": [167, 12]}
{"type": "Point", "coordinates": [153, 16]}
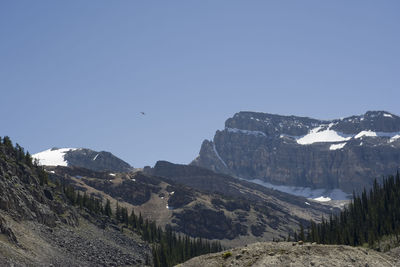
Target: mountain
{"type": "Point", "coordinates": [346, 154]}
{"type": "Point", "coordinates": [198, 202]}
{"type": "Point", "coordinates": [82, 157]}
{"type": "Point", "coordinates": [40, 227]}
{"type": "Point", "coordinates": [260, 213]}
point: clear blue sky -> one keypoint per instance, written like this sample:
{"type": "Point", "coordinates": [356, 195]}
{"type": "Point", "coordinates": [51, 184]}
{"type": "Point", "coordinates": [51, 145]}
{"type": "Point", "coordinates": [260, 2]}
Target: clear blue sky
{"type": "Point", "coordinates": [78, 73]}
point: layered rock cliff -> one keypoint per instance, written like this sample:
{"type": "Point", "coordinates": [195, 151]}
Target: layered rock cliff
{"type": "Point", "coordinates": [347, 153]}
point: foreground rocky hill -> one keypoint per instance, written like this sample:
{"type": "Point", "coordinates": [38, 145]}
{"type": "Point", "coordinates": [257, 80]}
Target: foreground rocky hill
{"type": "Point", "coordinates": [82, 157]}
{"type": "Point", "coordinates": [346, 153]}
{"type": "Point", "coordinates": [294, 254]}
{"type": "Point", "coordinates": [39, 227]}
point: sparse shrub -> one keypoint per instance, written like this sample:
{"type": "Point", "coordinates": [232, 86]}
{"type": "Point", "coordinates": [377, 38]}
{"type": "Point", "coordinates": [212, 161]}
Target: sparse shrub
{"type": "Point", "coordinates": [226, 255]}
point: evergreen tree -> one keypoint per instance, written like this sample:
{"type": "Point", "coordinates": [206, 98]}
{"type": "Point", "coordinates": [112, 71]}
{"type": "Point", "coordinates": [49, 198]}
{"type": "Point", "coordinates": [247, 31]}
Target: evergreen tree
{"type": "Point", "coordinates": [133, 219]}
{"type": "Point", "coordinates": [107, 208]}
{"type": "Point", "coordinates": [28, 159]}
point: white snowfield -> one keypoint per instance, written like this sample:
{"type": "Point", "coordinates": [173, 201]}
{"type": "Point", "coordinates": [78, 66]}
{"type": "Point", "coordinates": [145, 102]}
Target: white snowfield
{"type": "Point", "coordinates": [316, 135]}
{"type": "Point", "coordinates": [366, 133]}
{"type": "Point", "coordinates": [337, 146]}
{"type": "Point", "coordinates": [53, 157]}
{"type": "Point", "coordinates": [322, 199]}
{"type": "Point", "coordinates": [321, 195]}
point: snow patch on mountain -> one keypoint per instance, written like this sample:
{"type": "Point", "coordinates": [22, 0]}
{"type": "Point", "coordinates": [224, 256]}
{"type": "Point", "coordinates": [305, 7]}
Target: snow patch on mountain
{"type": "Point", "coordinates": [307, 192]}
{"type": "Point", "coordinates": [322, 199]}
{"type": "Point", "coordinates": [394, 138]}
{"type": "Point", "coordinates": [337, 146]}
{"type": "Point", "coordinates": [53, 156]}
{"type": "Point", "coordinates": [376, 134]}
{"type": "Point", "coordinates": [321, 135]}
{"type": "Point", "coordinates": [318, 135]}
{"type": "Point", "coordinates": [365, 133]}
{"type": "Point", "coordinates": [388, 115]}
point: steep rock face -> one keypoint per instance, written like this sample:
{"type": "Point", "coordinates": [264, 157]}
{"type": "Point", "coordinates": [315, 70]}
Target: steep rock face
{"type": "Point", "coordinates": [345, 153]}
{"type": "Point", "coordinates": [82, 157]}
{"type": "Point", "coordinates": [23, 198]}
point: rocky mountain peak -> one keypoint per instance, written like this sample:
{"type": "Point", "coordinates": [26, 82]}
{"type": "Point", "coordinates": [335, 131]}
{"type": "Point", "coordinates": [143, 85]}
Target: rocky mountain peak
{"type": "Point", "coordinates": [347, 153]}
{"type": "Point", "coordinates": [271, 124]}
{"type": "Point", "coordinates": [378, 121]}
{"type": "Point", "coordinates": [82, 157]}
{"type": "Point", "coordinates": [274, 125]}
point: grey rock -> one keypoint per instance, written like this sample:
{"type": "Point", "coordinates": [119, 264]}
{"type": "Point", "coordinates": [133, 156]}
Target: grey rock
{"type": "Point", "coordinates": [263, 146]}
{"type": "Point", "coordinates": [287, 255]}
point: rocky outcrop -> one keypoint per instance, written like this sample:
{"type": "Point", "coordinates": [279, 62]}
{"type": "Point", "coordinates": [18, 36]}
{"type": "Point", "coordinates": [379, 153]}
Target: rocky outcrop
{"type": "Point", "coordinates": [294, 254]}
{"type": "Point", "coordinates": [345, 153]}
{"type": "Point", "coordinates": [7, 231]}
{"type": "Point", "coordinates": [97, 161]}
{"type": "Point", "coordinates": [203, 222]}
{"type": "Point", "coordinates": [23, 198]}
{"type": "Point", "coordinates": [136, 190]}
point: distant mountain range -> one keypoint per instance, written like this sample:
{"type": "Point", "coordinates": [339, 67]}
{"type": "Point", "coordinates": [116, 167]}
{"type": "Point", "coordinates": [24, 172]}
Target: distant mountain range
{"type": "Point", "coordinates": [346, 154]}
{"type": "Point", "coordinates": [297, 155]}
{"type": "Point", "coordinates": [82, 157]}
{"type": "Point", "coordinates": [192, 200]}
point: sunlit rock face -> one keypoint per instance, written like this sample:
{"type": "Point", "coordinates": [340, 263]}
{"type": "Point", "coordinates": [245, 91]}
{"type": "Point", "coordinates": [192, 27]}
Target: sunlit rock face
{"type": "Point", "coordinates": [347, 153]}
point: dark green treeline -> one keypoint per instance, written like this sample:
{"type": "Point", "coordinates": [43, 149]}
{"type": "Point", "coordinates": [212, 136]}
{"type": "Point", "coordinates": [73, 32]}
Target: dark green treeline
{"type": "Point", "coordinates": [369, 217]}
{"type": "Point", "coordinates": [17, 156]}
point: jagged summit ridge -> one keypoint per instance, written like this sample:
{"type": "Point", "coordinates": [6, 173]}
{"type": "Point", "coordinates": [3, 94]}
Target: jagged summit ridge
{"type": "Point", "coordinates": [306, 131]}
{"type": "Point", "coordinates": [274, 125]}
{"type": "Point", "coordinates": [346, 153]}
